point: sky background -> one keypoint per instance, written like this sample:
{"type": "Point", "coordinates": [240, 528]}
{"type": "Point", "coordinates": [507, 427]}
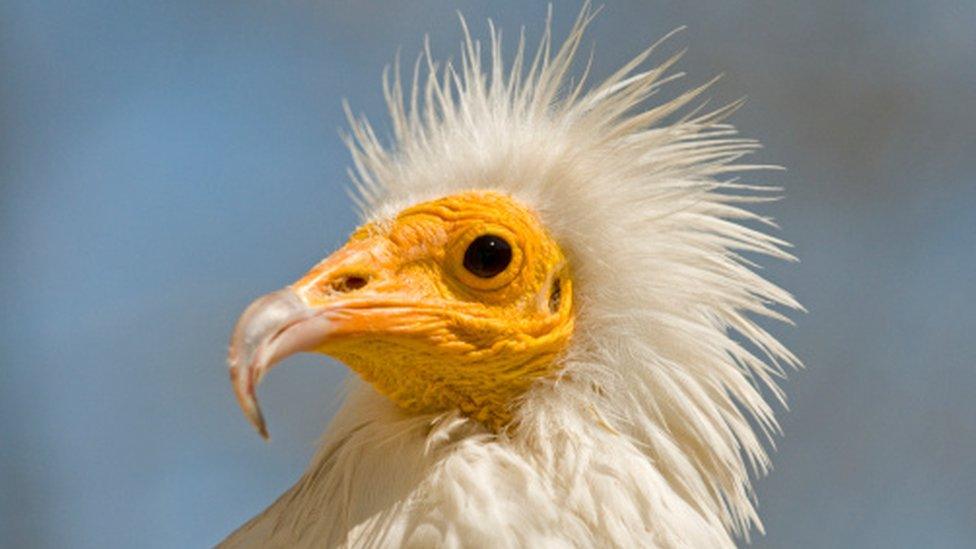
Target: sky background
{"type": "Point", "coordinates": [164, 163]}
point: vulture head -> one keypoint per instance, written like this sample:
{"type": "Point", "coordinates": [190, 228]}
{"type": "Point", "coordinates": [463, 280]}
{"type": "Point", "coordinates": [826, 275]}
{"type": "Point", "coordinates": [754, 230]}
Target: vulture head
{"type": "Point", "coordinates": [458, 303]}
{"type": "Point", "coordinates": [553, 289]}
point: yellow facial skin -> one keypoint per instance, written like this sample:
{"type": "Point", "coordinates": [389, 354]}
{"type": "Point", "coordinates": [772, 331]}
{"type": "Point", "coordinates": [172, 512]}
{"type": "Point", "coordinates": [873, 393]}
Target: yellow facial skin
{"type": "Point", "coordinates": [429, 334]}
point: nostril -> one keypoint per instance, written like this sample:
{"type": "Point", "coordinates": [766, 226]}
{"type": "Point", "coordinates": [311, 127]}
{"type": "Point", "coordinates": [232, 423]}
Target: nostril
{"type": "Point", "coordinates": [349, 283]}
{"type": "Point", "coordinates": [355, 282]}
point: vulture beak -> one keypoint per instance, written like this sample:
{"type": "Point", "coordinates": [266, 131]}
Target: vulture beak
{"type": "Point", "coordinates": [315, 314]}
{"type": "Point", "coordinates": [275, 326]}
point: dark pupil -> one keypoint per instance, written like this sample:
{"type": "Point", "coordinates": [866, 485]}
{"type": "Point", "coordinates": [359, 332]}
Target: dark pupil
{"type": "Point", "coordinates": [487, 256]}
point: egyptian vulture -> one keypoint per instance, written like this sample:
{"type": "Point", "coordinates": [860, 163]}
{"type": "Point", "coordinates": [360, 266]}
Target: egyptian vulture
{"type": "Point", "coordinates": [549, 314]}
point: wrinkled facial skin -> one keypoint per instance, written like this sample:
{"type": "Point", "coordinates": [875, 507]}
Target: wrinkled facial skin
{"type": "Point", "coordinates": [413, 321]}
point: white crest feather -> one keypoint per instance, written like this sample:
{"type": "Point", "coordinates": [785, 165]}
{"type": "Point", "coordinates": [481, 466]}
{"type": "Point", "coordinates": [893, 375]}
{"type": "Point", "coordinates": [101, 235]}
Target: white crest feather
{"type": "Point", "coordinates": [647, 438]}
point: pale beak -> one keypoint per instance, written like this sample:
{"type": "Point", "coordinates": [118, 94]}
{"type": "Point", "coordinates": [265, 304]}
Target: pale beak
{"type": "Point", "coordinates": [272, 328]}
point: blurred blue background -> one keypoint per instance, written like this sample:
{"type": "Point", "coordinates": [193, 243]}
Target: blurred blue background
{"type": "Point", "coordinates": [161, 164]}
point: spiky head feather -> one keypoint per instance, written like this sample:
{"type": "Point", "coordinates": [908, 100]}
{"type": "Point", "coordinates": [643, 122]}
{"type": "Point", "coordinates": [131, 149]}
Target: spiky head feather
{"type": "Point", "coordinates": [668, 350]}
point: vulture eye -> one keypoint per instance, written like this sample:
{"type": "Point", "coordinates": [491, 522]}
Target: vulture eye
{"type": "Point", "coordinates": [487, 256]}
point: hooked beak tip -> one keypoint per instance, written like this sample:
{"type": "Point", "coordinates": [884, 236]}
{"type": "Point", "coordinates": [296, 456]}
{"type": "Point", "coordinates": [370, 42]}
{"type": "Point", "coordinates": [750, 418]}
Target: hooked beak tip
{"type": "Point", "coordinates": [272, 328]}
{"type": "Point", "coordinates": [244, 390]}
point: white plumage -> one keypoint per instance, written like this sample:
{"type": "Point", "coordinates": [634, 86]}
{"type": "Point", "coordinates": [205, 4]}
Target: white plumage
{"type": "Point", "coordinates": [649, 435]}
